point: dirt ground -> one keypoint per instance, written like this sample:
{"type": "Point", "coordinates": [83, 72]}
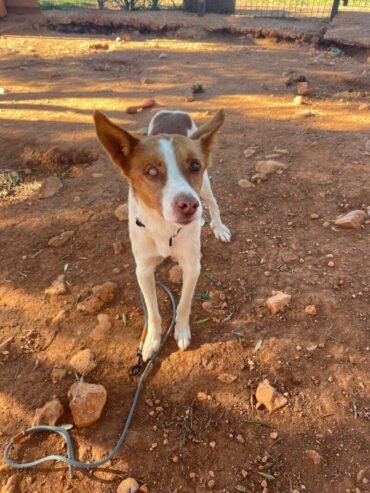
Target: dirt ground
{"type": "Point", "coordinates": [52, 84]}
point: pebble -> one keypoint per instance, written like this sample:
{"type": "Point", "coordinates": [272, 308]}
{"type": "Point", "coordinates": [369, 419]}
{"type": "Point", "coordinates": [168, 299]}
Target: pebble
{"type": "Point", "coordinates": [278, 301]}
{"type": "Point", "coordinates": [352, 219]}
{"type": "Point", "coordinates": [269, 397]}
{"type": "Point", "coordinates": [60, 240]}
{"type": "Point", "coordinates": [101, 295]}
{"type": "Point", "coordinates": [175, 274]}
{"type": "Point", "coordinates": [57, 374]}
{"type": "Point", "coordinates": [306, 113]}
{"type": "Point", "coordinates": [163, 55]}
{"type": "Point", "coordinates": [86, 401]}
{"type": "Point", "coordinates": [121, 212]}
{"type": "Point", "coordinates": [240, 438]}
{"type": "Point", "coordinates": [202, 396]}
{"type": "Point", "coordinates": [144, 488]}
{"type": "Point", "coordinates": [145, 81]}
{"type": "Point", "coordinates": [117, 247]}
{"type": "Point", "coordinates": [270, 166]}
{"type": "Point", "coordinates": [331, 264]}
{"type": "Point", "coordinates": [128, 485]}
{"type": "Point", "coordinates": [244, 183]}
{"type": "Point", "coordinates": [192, 475]}
{"type": "Point", "coordinates": [211, 483]}
{"type": "Point", "coordinates": [310, 310]}
{"type": "Point", "coordinates": [212, 444]}
{"type": "Point", "coordinates": [326, 224]}
{"type": "Point", "coordinates": [314, 456]}
{"type": "Point", "coordinates": [49, 413]}
{"type": "Point", "coordinates": [175, 459]}
{"type": "Point", "coordinates": [274, 435]}
{"type": "Point", "coordinates": [264, 483]}
{"type": "Point", "coordinates": [314, 216]}
{"type": "Point", "coordinates": [3, 90]}
{"type": "Point", "coordinates": [258, 177]}
{"type": "Point", "coordinates": [249, 152]}
{"type": "Point", "coordinates": [298, 100]}
{"type": "Point", "coordinates": [102, 331]}
{"type": "Point", "coordinates": [83, 362]}
{"type": "Point", "coordinates": [303, 88]}
{"type": "Point", "coordinates": [227, 378]}
{"type": "Point", "coordinates": [57, 287]}
{"type": "Point", "coordinates": [49, 187]}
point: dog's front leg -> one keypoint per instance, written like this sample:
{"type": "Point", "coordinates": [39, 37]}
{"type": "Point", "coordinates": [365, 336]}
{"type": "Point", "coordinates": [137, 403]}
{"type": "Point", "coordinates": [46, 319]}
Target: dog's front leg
{"type": "Point", "coordinates": [190, 276]}
{"type": "Point", "coordinates": [146, 280]}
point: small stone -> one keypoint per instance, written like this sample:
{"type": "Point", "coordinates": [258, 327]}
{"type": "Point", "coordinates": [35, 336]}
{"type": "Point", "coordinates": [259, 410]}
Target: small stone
{"type": "Point", "coordinates": [240, 438]}
{"type": "Point", "coordinates": [264, 483]}
{"type": "Point", "coordinates": [310, 310]}
{"type": "Point", "coordinates": [175, 274]}
{"type": "Point", "coordinates": [244, 183]}
{"type": "Point", "coordinates": [258, 177]}
{"type": "Point", "coordinates": [102, 331]}
{"type": "Point", "coordinates": [115, 270]}
{"type": "Point", "coordinates": [175, 459]}
{"type": "Point", "coordinates": [278, 301]}
{"type": "Point", "coordinates": [270, 166]}
{"type": "Point", "coordinates": [212, 444]}
{"type": "Point", "coordinates": [121, 212]}
{"type": "Point", "coordinates": [314, 216]}
{"type": "Point", "coordinates": [227, 378]}
{"type": "Point", "coordinates": [202, 396]}
{"type": "Point", "coordinates": [269, 397]}
{"type": "Point", "coordinates": [249, 152]}
{"type": "Point", "coordinates": [60, 240]}
{"type": "Point", "coordinates": [330, 379]}
{"type": "Point", "coordinates": [326, 224]}
{"type": "Point", "coordinates": [306, 113]}
{"type": "Point", "coordinates": [128, 485]}
{"type": "Point", "coordinates": [101, 295]}
{"type": "Point", "coordinates": [192, 475]}
{"type": "Point", "coordinates": [189, 96]}
{"type": "Point", "coordinates": [244, 473]}
{"type": "Point", "coordinates": [331, 264]}
{"type": "Point", "coordinates": [49, 413]}
{"type": "Point", "coordinates": [274, 435]}
{"type": "Point", "coordinates": [314, 456]}
{"type": "Point", "coordinates": [163, 55]}
{"type": "Point", "coordinates": [28, 171]}
{"type": "Point", "coordinates": [145, 81]}
{"type": "Point", "coordinates": [83, 362]}
{"type": "Point", "coordinates": [303, 89]}
{"type": "Point", "coordinates": [97, 175]}
{"type": "Point", "coordinates": [57, 374]}
{"type": "Point", "coordinates": [49, 187]}
{"type": "Point", "coordinates": [117, 247]}
{"type": "Point", "coordinates": [298, 100]}
{"type": "Point", "coordinates": [3, 90]}
{"type": "Point", "coordinates": [86, 401]}
{"type": "Point", "coordinates": [144, 488]}
{"type": "Point", "coordinates": [58, 287]}
{"type": "Point", "coordinates": [211, 483]}
{"type": "Point", "coordinates": [352, 219]}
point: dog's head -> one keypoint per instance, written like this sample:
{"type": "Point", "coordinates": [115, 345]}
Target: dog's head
{"type": "Point", "coordinates": [165, 171]}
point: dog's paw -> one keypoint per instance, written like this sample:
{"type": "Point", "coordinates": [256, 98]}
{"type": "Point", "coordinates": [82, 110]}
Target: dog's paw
{"type": "Point", "coordinates": [182, 336]}
{"type": "Point", "coordinates": [222, 232]}
{"type": "Point", "coordinates": [151, 345]}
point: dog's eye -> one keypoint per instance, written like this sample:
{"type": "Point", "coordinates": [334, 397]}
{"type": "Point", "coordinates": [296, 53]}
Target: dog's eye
{"type": "Point", "coordinates": [195, 166]}
{"type": "Point", "coordinates": [152, 171]}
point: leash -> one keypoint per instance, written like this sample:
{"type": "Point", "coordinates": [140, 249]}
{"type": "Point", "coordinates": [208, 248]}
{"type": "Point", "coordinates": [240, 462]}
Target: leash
{"type": "Point", "coordinates": [135, 370]}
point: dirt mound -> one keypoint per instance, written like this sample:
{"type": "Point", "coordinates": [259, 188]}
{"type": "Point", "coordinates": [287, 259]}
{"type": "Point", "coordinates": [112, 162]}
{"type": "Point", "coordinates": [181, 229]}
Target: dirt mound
{"type": "Point", "coordinates": [55, 158]}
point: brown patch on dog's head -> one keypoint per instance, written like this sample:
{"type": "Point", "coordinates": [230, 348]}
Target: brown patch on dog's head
{"type": "Point", "coordinates": [169, 122]}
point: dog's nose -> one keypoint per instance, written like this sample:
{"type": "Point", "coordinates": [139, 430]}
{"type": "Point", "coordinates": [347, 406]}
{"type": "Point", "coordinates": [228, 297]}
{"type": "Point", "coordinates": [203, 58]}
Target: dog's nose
{"type": "Point", "coordinates": [186, 204]}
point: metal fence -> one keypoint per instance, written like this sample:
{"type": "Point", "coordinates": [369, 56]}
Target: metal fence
{"type": "Point", "coordinates": [313, 9]}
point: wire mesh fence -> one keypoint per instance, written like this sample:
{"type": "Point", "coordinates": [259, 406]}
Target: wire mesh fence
{"type": "Point", "coordinates": [314, 9]}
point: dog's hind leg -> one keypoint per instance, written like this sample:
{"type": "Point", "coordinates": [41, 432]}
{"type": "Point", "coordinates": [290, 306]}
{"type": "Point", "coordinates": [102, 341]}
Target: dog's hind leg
{"type": "Point", "coordinates": [146, 280]}
{"type": "Point", "coordinates": [221, 231]}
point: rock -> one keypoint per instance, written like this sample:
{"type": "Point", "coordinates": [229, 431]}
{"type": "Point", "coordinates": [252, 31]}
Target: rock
{"type": "Point", "coordinates": [226, 378]}
{"type": "Point", "coordinates": [175, 274]}
{"type": "Point", "coordinates": [10, 485]}
{"type": "Point", "coordinates": [117, 247]}
{"type": "Point", "coordinates": [145, 81]}
{"type": "Point", "coordinates": [269, 397]}
{"type": "Point", "coordinates": [314, 456]}
{"type": "Point", "coordinates": [49, 413]}
{"type": "Point", "coordinates": [86, 401]}
{"type": "Point", "coordinates": [212, 444]}
{"type": "Point", "coordinates": [3, 90]}
{"type": "Point", "coordinates": [268, 167]}
{"type": "Point", "coordinates": [83, 362]}
{"type": "Point", "coordinates": [102, 331]}
{"type": "Point", "coordinates": [163, 55]}
{"type": "Point", "coordinates": [298, 100]}
{"type": "Point", "coordinates": [60, 240]}
{"type": "Point", "coordinates": [189, 96]}
{"type": "Point", "coordinates": [240, 438]}
{"type": "Point", "coordinates": [274, 435]}
{"type": "Point", "coordinates": [249, 152]}
{"type": "Point", "coordinates": [144, 488]}
{"type": "Point", "coordinates": [202, 396]}
{"type": "Point", "coordinates": [277, 302]}
{"type": "Point", "coordinates": [49, 187]}
{"type": "Point", "coordinates": [101, 295]}
{"type": "Point", "coordinates": [243, 183]}
{"type": "Point", "coordinates": [303, 89]}
{"type": "Point", "coordinates": [306, 113]}
{"type": "Point", "coordinates": [331, 264]}
{"type": "Point", "coordinates": [258, 177]}
{"type": "Point", "coordinates": [58, 287]}
{"type": "Point", "coordinates": [57, 374]}
{"type": "Point", "coordinates": [121, 212]}
{"type": "Point", "coordinates": [314, 216]}
{"type": "Point", "coordinates": [352, 219]}
{"type": "Point", "coordinates": [129, 485]}
{"type": "Point", "coordinates": [310, 310]}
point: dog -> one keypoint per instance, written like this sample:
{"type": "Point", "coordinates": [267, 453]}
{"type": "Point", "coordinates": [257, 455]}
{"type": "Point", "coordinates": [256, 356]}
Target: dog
{"type": "Point", "coordinates": [167, 173]}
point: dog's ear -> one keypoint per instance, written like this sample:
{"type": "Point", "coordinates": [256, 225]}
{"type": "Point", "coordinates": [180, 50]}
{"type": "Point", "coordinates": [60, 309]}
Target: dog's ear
{"type": "Point", "coordinates": [117, 142]}
{"type": "Point", "coordinates": [206, 133]}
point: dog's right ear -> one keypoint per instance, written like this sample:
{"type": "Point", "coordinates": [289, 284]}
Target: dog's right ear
{"type": "Point", "coordinates": [117, 142]}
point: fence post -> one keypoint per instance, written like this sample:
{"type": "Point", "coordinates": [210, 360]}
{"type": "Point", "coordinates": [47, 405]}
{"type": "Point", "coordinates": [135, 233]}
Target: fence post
{"type": "Point", "coordinates": [201, 7]}
{"type": "Point", "coordinates": [334, 9]}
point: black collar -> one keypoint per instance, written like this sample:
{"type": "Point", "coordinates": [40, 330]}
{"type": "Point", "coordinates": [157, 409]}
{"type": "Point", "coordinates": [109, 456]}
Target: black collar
{"type": "Point", "coordinates": [141, 225]}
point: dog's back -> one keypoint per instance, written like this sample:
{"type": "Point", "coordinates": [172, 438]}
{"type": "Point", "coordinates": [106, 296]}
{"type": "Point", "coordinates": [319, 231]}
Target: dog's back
{"type": "Point", "coordinates": [172, 122]}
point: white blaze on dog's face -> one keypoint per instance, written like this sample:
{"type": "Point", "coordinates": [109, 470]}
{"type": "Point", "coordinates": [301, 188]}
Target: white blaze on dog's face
{"type": "Point", "coordinates": [165, 171]}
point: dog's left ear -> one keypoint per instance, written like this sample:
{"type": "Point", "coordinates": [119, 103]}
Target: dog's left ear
{"type": "Point", "coordinates": [206, 133]}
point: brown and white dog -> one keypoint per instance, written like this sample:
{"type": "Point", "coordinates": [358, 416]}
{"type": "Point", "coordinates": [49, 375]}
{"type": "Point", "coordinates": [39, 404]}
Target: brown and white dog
{"type": "Point", "coordinates": [167, 172]}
